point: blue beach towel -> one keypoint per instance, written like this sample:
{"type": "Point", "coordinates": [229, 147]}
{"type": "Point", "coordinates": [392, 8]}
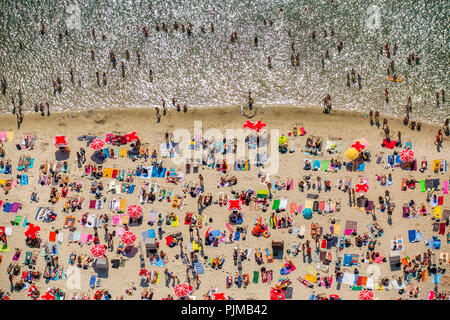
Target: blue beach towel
{"type": "Point", "coordinates": [7, 207]}
{"type": "Point", "coordinates": [199, 268]}
{"type": "Point", "coordinates": [151, 233]}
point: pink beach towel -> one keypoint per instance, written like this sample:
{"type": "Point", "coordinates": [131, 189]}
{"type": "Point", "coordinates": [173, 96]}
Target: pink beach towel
{"type": "Point", "coordinates": [108, 138]}
{"type": "Point", "coordinates": [445, 187]}
{"type": "Point", "coordinates": [90, 237]}
{"type": "Point", "coordinates": [83, 238]}
{"type": "Point", "coordinates": [3, 136]}
{"type": "Point", "coordinates": [115, 220]}
{"type": "Point", "coordinates": [119, 232]}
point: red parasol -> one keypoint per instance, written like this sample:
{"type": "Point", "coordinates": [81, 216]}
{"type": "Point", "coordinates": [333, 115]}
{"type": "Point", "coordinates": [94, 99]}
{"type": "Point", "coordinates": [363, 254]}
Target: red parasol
{"type": "Point", "coordinates": [132, 136]}
{"type": "Point", "coordinates": [358, 146]}
{"type": "Point", "coordinates": [97, 144]}
{"type": "Point", "coordinates": [134, 211]}
{"type": "Point", "coordinates": [259, 125]}
{"type": "Point", "coordinates": [128, 238]}
{"type": "Point", "coordinates": [234, 204]}
{"type": "Point", "coordinates": [360, 187]}
{"type": "Point", "coordinates": [219, 296]}
{"type": "Point", "coordinates": [48, 296]}
{"type": "Point", "coordinates": [32, 231]}
{"type": "Point", "coordinates": [276, 294]}
{"type": "Point", "coordinates": [249, 125]}
{"type": "Point", "coordinates": [143, 272]}
{"type": "Point", "coordinates": [366, 295]}
{"type": "Point", "coordinates": [60, 141]}
{"type": "Point", "coordinates": [183, 290]}
{"type": "Point", "coordinates": [207, 232]}
{"type": "Point", "coordinates": [98, 250]}
{"type": "Point", "coordinates": [407, 155]}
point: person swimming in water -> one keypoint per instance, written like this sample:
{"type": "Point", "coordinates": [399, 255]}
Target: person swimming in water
{"type": "Point", "coordinates": [97, 75]}
{"type": "Point", "coordinates": [127, 54]}
{"type": "Point", "coordinates": [104, 78]}
{"type": "Point", "coordinates": [71, 75]}
{"type": "Point", "coordinates": [151, 75]}
{"type": "Point", "coordinates": [92, 55]}
{"type": "Point", "coordinates": [138, 55]}
{"type": "Point", "coordinates": [256, 41]}
{"type": "Point", "coordinates": [122, 65]}
{"type": "Point", "coordinates": [269, 62]}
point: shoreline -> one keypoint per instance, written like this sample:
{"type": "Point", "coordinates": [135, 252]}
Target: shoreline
{"type": "Point", "coordinates": [260, 110]}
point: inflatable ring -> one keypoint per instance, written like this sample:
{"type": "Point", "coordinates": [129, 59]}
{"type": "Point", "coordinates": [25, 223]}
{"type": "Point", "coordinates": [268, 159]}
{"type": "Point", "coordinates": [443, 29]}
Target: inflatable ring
{"type": "Point", "coordinates": [266, 234]}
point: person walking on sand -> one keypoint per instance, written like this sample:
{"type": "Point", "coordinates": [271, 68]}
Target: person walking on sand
{"type": "Point", "coordinates": [158, 115]}
{"type": "Point", "coordinates": [438, 143]}
{"type": "Point", "coordinates": [48, 109]}
{"type": "Point", "coordinates": [371, 117]}
{"type": "Point", "coordinates": [377, 119]}
{"type": "Point", "coordinates": [164, 107]}
{"type": "Point", "coordinates": [386, 95]}
{"type": "Point", "coordinates": [446, 127]}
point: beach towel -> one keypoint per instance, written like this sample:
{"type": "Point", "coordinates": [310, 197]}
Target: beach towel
{"type": "Point", "coordinates": [52, 236]}
{"type": "Point", "coordinates": [350, 227]}
{"type": "Point", "coordinates": [316, 165]}
{"type": "Point", "coordinates": [445, 187]}
{"type": "Point", "coordinates": [293, 207]}
{"type": "Point", "coordinates": [325, 165]}
{"type": "Point", "coordinates": [199, 268]}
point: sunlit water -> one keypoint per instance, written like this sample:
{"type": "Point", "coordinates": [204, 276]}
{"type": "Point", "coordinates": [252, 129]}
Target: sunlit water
{"type": "Point", "coordinates": [207, 69]}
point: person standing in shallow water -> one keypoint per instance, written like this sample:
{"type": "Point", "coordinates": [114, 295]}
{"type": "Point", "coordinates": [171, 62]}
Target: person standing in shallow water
{"type": "Point", "coordinates": [164, 107]}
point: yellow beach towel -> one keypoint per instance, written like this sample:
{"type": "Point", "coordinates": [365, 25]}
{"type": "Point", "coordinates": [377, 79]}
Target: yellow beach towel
{"type": "Point", "coordinates": [123, 205]}
{"type": "Point", "coordinates": [174, 222]}
{"type": "Point", "coordinates": [337, 229]}
{"type": "Point", "coordinates": [123, 153]}
{"type": "Point", "coordinates": [9, 136]}
{"type": "Point", "coordinates": [309, 204]}
{"type": "Point", "coordinates": [438, 212]}
{"type": "Point", "coordinates": [311, 278]}
{"type": "Point", "coordinates": [436, 163]}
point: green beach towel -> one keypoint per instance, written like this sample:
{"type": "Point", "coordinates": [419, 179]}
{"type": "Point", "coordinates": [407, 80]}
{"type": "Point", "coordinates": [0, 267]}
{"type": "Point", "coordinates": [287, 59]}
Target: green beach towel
{"type": "Point", "coordinates": [357, 288]}
{"type": "Point", "coordinates": [18, 220]}
{"type": "Point", "coordinates": [276, 204]}
{"type": "Point", "coordinates": [255, 276]}
{"type": "Point", "coordinates": [325, 165]}
{"type": "Point", "coordinates": [422, 186]}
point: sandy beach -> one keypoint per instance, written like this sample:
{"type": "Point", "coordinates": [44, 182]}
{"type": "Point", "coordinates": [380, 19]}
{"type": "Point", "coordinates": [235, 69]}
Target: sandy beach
{"type": "Point", "coordinates": [343, 126]}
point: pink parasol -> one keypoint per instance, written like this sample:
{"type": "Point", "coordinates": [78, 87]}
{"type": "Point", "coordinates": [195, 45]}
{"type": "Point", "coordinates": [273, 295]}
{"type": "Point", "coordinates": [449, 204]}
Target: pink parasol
{"type": "Point", "coordinates": [97, 144]}
{"type": "Point", "coordinates": [366, 295]}
{"type": "Point", "coordinates": [183, 290]}
{"type": "Point", "coordinates": [234, 204]}
{"type": "Point", "coordinates": [407, 155]}
{"type": "Point", "coordinates": [98, 250]}
{"type": "Point", "coordinates": [132, 136]}
{"type": "Point", "coordinates": [128, 238]}
{"type": "Point", "coordinates": [32, 231]}
{"type": "Point", "coordinates": [259, 125]}
{"type": "Point", "coordinates": [60, 141]}
{"type": "Point", "coordinates": [134, 211]}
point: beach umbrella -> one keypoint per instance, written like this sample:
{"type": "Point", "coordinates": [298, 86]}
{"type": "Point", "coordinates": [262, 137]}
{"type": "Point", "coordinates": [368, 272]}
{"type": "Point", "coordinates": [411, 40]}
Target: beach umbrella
{"type": "Point", "coordinates": [132, 136]}
{"type": "Point", "coordinates": [183, 290]}
{"type": "Point", "coordinates": [358, 146]}
{"type": "Point", "coordinates": [249, 125]}
{"type": "Point", "coordinates": [219, 296]}
{"type": "Point", "coordinates": [282, 140]}
{"type": "Point", "coordinates": [307, 213]}
{"type": "Point", "coordinates": [407, 155]}
{"type": "Point", "coordinates": [60, 141]}
{"type": "Point", "coordinates": [234, 204]}
{"type": "Point", "coordinates": [361, 187]}
{"type": "Point", "coordinates": [97, 144]}
{"type": "Point", "coordinates": [207, 232]}
{"type": "Point", "coordinates": [259, 125]}
{"type": "Point", "coordinates": [32, 231]}
{"type": "Point", "coordinates": [48, 296]}
{"type": "Point", "coordinates": [352, 153]}
{"type": "Point", "coordinates": [365, 295]}
{"type": "Point", "coordinates": [128, 238]}
{"type": "Point", "coordinates": [143, 272]}
{"type": "Point", "coordinates": [134, 211]}
{"type": "Point", "coordinates": [98, 250]}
